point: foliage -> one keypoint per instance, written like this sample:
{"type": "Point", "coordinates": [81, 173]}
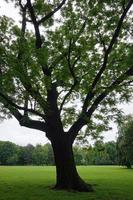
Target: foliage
{"type": "Point", "coordinates": [99, 154]}
{"type": "Point", "coordinates": [125, 142]}
{"type": "Point", "coordinates": [82, 54]}
{"type": "Point", "coordinates": [102, 154]}
{"type": "Point", "coordinates": [12, 154]}
{"type": "Point", "coordinates": [8, 153]}
{"type": "Point", "coordinates": [25, 155]}
{"type": "Point", "coordinates": [43, 155]}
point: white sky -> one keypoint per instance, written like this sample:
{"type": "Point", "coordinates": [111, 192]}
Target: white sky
{"type": "Point", "coordinates": [10, 130]}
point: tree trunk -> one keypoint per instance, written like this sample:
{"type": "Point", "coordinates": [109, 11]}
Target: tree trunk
{"type": "Point", "coordinates": [128, 164]}
{"type": "Point", "coordinates": [66, 174]}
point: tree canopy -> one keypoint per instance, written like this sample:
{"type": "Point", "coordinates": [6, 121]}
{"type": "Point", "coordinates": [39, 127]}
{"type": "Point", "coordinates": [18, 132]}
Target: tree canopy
{"type": "Point", "coordinates": [85, 52]}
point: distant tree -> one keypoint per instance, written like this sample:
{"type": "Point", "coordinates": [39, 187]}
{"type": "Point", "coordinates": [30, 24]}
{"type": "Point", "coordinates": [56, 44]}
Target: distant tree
{"type": "Point", "coordinates": [25, 155]}
{"type": "Point", "coordinates": [50, 154]}
{"type": "Point", "coordinates": [125, 142]}
{"type": "Point", "coordinates": [84, 55]}
{"type": "Point", "coordinates": [14, 159]}
{"type": "Point", "coordinates": [111, 149]}
{"type": "Point", "coordinates": [102, 154]}
{"type": "Point", "coordinates": [8, 153]}
{"type": "Point", "coordinates": [40, 155]}
{"type": "Point", "coordinates": [79, 155]}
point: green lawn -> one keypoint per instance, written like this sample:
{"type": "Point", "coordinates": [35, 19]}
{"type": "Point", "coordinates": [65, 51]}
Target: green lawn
{"type": "Point", "coordinates": [32, 183]}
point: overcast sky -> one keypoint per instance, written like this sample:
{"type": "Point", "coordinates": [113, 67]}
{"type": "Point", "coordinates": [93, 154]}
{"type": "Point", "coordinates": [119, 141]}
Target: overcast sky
{"type": "Point", "coordinates": [10, 130]}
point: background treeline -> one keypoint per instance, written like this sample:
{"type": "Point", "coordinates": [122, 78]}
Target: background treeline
{"type": "Point", "coordinates": [12, 154]}
{"type": "Point", "coordinates": [99, 154]}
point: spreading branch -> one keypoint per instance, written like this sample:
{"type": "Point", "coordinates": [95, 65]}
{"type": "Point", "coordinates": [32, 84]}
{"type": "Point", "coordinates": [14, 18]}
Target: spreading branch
{"type": "Point", "coordinates": [90, 95]}
{"type": "Point", "coordinates": [71, 66]}
{"type": "Point", "coordinates": [49, 15]}
{"type": "Point", "coordinates": [85, 117]}
{"type": "Point", "coordinates": [71, 69]}
{"type": "Point", "coordinates": [109, 89]}
{"type": "Point", "coordinates": [112, 42]}
{"type": "Point", "coordinates": [24, 121]}
{"type": "Point", "coordinates": [24, 108]}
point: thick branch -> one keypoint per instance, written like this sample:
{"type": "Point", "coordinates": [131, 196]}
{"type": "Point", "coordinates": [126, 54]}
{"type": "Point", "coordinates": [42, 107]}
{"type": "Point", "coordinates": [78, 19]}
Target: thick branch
{"type": "Point", "coordinates": [51, 13]}
{"type": "Point", "coordinates": [35, 23]}
{"type": "Point", "coordinates": [24, 121]}
{"type": "Point", "coordinates": [34, 124]}
{"type": "Point", "coordinates": [25, 80]}
{"type": "Point", "coordinates": [23, 28]}
{"type": "Point", "coordinates": [76, 127]}
{"type": "Point", "coordinates": [45, 69]}
{"type": "Point", "coordinates": [24, 22]}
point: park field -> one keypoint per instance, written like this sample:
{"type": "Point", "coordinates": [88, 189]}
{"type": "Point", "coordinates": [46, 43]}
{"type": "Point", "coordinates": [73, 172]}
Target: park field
{"type": "Point", "coordinates": [33, 183]}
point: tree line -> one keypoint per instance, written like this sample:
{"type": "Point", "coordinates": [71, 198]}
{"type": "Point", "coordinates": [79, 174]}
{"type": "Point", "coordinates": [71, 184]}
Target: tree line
{"type": "Point", "coordinates": [99, 154]}
{"type": "Point", "coordinates": [108, 153]}
{"type": "Point", "coordinates": [12, 154]}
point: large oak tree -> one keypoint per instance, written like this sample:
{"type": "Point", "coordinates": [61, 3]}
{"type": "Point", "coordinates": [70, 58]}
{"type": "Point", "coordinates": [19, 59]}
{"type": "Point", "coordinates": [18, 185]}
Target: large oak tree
{"type": "Point", "coordinates": [64, 68]}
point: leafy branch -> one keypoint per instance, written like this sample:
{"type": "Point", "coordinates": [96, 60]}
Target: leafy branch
{"type": "Point", "coordinates": [85, 117]}
{"type": "Point", "coordinates": [45, 18]}
{"type": "Point", "coordinates": [97, 78]}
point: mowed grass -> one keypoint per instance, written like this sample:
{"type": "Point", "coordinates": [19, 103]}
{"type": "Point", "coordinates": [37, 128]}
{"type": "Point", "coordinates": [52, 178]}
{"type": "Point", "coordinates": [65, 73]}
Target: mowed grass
{"type": "Point", "coordinates": [33, 183]}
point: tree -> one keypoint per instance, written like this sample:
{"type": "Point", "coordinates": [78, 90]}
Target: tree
{"type": "Point", "coordinates": [25, 155]}
{"type": "Point", "coordinates": [8, 153]}
{"type": "Point", "coordinates": [50, 154]}
{"type": "Point", "coordinates": [101, 154]}
{"type": "Point", "coordinates": [83, 54]}
{"type": "Point", "coordinates": [125, 142]}
{"type": "Point", "coordinates": [40, 155]}
{"type": "Point", "coordinates": [43, 155]}
{"type": "Point", "coordinates": [79, 155]}
{"type": "Point", "coordinates": [111, 150]}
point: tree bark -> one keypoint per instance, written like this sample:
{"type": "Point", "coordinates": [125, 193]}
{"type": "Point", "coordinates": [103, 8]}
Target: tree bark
{"type": "Point", "coordinates": [67, 177]}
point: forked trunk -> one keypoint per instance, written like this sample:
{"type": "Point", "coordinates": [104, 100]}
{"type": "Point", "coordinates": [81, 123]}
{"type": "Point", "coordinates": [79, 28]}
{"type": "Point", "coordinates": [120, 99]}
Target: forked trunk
{"type": "Point", "coordinates": [66, 174]}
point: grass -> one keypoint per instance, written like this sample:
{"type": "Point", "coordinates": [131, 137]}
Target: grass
{"type": "Point", "coordinates": [32, 183]}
